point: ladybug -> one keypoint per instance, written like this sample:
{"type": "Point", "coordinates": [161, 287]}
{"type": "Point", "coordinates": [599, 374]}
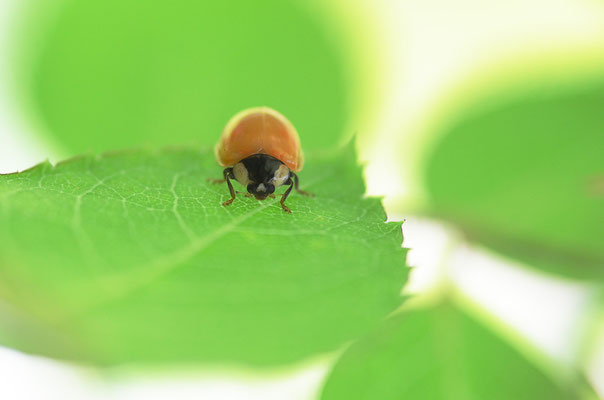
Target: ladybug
{"type": "Point", "coordinates": [261, 150]}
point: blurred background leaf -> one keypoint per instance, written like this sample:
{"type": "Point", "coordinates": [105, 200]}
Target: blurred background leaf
{"type": "Point", "coordinates": [131, 258]}
{"type": "Point", "coordinates": [525, 177]}
{"type": "Point", "coordinates": [440, 352]}
{"type": "Point", "coordinates": [117, 74]}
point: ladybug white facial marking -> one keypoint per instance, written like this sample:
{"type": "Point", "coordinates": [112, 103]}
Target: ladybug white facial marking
{"type": "Point", "coordinates": [261, 151]}
{"type": "Point", "coordinates": [241, 174]}
{"type": "Point", "coordinates": [281, 176]}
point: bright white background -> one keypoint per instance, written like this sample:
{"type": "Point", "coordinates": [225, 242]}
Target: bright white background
{"type": "Point", "coordinates": [434, 43]}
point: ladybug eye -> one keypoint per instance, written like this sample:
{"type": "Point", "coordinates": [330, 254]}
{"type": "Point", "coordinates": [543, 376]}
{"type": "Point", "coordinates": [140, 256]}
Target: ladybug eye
{"type": "Point", "coordinates": [251, 188]}
{"type": "Point", "coordinates": [270, 189]}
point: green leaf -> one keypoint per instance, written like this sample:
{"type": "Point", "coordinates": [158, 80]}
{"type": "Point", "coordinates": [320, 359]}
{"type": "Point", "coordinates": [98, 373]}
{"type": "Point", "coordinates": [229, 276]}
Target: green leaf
{"type": "Point", "coordinates": [128, 72]}
{"type": "Point", "coordinates": [526, 178]}
{"type": "Point", "coordinates": [130, 257]}
{"type": "Point", "coordinates": [438, 353]}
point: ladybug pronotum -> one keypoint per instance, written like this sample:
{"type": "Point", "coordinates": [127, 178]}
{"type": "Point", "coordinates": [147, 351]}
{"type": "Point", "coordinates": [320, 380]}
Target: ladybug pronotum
{"type": "Point", "coordinates": [261, 150]}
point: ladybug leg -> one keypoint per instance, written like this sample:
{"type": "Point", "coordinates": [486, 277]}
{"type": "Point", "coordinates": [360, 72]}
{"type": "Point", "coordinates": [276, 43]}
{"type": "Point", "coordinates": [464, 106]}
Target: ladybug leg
{"type": "Point", "coordinates": [284, 196]}
{"type": "Point", "coordinates": [272, 196]}
{"type": "Point", "coordinates": [228, 173]}
{"type": "Point", "coordinates": [302, 192]}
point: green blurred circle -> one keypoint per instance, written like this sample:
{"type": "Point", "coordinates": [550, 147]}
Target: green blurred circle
{"type": "Point", "coordinates": [122, 73]}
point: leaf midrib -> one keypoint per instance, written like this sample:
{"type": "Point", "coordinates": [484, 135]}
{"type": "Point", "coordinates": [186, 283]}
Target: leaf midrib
{"type": "Point", "coordinates": [148, 273]}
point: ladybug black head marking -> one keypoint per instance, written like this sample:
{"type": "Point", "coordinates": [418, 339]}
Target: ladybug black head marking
{"type": "Point", "coordinates": [260, 191]}
{"type": "Point", "coordinates": [261, 174]}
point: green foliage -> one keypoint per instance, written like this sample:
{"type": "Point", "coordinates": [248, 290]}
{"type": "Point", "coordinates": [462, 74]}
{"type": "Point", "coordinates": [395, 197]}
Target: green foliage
{"type": "Point", "coordinates": [130, 257]}
{"type": "Point", "coordinates": [438, 353]}
{"type": "Point", "coordinates": [115, 74]}
{"type": "Point", "coordinates": [526, 179]}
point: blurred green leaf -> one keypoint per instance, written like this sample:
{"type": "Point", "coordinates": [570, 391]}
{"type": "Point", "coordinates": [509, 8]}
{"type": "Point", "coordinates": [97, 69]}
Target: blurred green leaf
{"type": "Point", "coordinates": [130, 257]}
{"type": "Point", "coordinates": [437, 353]}
{"type": "Point", "coordinates": [121, 73]}
{"type": "Point", "coordinates": [526, 178]}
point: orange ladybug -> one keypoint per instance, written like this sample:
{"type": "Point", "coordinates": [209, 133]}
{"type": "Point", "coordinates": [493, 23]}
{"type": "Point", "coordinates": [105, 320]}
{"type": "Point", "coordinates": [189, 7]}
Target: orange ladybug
{"type": "Point", "coordinates": [261, 150]}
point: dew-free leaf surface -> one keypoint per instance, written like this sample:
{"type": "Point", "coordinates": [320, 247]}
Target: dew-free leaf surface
{"type": "Point", "coordinates": [526, 178]}
{"type": "Point", "coordinates": [130, 257]}
{"type": "Point", "coordinates": [438, 353]}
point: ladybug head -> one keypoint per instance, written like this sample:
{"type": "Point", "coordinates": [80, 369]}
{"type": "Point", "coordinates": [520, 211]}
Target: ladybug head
{"type": "Point", "coordinates": [260, 190]}
{"type": "Point", "coordinates": [261, 174]}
